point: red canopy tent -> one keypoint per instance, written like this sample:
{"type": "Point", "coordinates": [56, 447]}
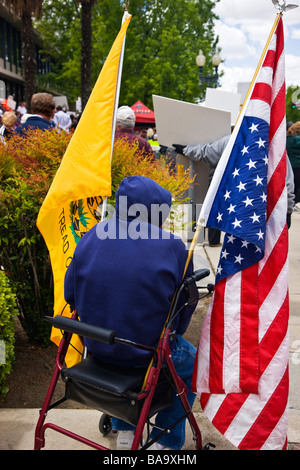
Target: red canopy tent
{"type": "Point", "coordinates": [143, 115]}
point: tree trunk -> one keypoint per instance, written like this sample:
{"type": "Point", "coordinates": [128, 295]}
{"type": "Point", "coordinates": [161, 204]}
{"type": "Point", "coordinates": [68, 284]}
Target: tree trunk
{"type": "Point", "coordinates": [29, 60]}
{"type": "Point", "coordinates": [86, 48]}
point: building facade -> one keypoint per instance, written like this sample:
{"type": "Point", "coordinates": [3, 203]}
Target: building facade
{"type": "Point", "coordinates": [11, 72]}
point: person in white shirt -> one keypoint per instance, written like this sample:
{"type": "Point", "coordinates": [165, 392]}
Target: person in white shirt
{"type": "Point", "coordinates": [62, 120]}
{"type": "Point", "coordinates": [22, 108]}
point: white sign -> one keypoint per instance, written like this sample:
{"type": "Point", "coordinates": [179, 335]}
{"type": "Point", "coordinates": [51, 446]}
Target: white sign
{"type": "Point", "coordinates": [2, 89]}
{"type": "Point", "coordinates": [179, 122]}
{"type": "Point", "coordinates": [11, 103]}
{"type": "Point", "coordinates": [242, 88]}
{"type": "Point", "coordinates": [224, 101]}
{"type": "Point", "coordinates": [61, 101]}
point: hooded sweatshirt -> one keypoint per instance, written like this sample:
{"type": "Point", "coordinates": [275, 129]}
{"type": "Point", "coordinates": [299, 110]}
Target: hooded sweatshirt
{"type": "Point", "coordinates": [125, 271]}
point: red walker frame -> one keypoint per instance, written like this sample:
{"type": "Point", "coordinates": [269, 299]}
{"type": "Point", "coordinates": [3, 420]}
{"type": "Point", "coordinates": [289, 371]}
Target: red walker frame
{"type": "Point", "coordinates": [147, 393]}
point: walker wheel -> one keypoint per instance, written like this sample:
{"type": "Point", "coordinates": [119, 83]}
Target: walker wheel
{"type": "Point", "coordinates": [105, 425]}
{"type": "Point", "coordinates": [208, 446]}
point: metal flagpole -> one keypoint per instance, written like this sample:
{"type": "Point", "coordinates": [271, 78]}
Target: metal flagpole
{"type": "Point", "coordinates": [125, 16]}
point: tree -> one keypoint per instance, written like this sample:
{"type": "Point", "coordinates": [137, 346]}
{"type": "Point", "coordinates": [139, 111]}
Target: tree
{"type": "Point", "coordinates": [86, 48]}
{"type": "Point", "coordinates": [25, 9]}
{"type": "Point", "coordinates": [67, 30]}
{"type": "Point", "coordinates": [292, 97]}
{"type": "Point", "coordinates": [59, 27]}
{"type": "Point", "coordinates": [162, 42]}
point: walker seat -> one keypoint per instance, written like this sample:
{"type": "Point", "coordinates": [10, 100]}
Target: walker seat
{"type": "Point", "coordinates": [113, 389]}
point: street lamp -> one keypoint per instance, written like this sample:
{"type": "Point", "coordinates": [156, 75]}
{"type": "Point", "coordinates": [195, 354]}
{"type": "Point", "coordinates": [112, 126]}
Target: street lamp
{"type": "Point", "coordinates": [200, 59]}
{"type": "Point", "coordinates": [216, 60]}
{"type": "Point", "coordinates": [212, 80]}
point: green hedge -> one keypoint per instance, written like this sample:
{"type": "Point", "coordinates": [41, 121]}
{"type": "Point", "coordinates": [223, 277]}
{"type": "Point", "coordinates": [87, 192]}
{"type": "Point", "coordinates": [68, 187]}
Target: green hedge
{"type": "Point", "coordinates": [8, 311]}
{"type": "Point", "coordinates": [27, 167]}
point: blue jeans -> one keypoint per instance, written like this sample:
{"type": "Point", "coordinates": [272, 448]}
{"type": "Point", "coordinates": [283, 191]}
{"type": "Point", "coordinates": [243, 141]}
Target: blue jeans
{"type": "Point", "coordinates": [183, 357]}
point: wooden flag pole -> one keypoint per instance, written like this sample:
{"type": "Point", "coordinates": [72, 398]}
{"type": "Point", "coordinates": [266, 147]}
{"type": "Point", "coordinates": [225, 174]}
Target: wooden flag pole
{"type": "Point", "coordinates": [198, 227]}
{"type": "Point", "coordinates": [192, 247]}
{"type": "Point", "coordinates": [278, 16]}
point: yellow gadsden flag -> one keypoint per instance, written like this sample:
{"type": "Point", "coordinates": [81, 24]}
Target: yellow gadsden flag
{"type": "Point", "coordinates": [82, 180]}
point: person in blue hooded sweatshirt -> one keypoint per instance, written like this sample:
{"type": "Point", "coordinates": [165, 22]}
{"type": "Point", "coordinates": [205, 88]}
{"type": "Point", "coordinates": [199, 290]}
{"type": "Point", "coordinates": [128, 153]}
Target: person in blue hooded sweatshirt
{"type": "Point", "coordinates": [123, 276]}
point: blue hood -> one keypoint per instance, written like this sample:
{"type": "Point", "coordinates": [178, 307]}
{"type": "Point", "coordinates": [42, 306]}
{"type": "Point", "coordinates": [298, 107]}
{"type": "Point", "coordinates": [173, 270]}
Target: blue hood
{"type": "Point", "coordinates": [139, 196]}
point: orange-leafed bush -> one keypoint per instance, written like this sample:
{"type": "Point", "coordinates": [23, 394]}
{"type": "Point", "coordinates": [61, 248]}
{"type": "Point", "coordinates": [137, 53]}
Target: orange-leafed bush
{"type": "Point", "coordinates": [128, 161]}
{"type": "Point", "coordinates": [27, 167]}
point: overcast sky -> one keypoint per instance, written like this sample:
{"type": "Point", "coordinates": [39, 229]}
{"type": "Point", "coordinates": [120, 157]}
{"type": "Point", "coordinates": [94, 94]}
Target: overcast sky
{"type": "Point", "coordinates": [243, 30]}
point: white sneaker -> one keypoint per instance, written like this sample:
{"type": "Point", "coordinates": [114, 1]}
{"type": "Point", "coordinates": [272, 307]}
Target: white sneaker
{"type": "Point", "coordinates": [157, 446]}
{"type": "Point", "coordinates": [125, 440]}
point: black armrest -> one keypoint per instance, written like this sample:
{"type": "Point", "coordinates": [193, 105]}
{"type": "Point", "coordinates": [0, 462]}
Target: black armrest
{"type": "Point", "coordinates": [191, 287]}
{"type": "Point", "coordinates": [82, 329]}
{"type": "Point", "coordinates": [197, 276]}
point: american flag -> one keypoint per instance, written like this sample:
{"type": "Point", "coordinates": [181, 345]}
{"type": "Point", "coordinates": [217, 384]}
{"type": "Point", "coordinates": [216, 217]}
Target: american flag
{"type": "Point", "coordinates": [241, 370]}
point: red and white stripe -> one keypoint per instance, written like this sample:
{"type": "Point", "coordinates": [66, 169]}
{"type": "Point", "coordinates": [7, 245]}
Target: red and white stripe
{"type": "Point", "coordinates": [244, 389]}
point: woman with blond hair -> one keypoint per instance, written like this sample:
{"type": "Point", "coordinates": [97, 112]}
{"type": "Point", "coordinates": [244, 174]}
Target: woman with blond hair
{"type": "Point", "coordinates": [293, 151]}
{"type": "Point", "coordinates": [8, 124]}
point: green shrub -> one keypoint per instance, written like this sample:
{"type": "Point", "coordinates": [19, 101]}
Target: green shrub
{"type": "Point", "coordinates": [27, 167]}
{"type": "Point", "coordinates": [8, 310]}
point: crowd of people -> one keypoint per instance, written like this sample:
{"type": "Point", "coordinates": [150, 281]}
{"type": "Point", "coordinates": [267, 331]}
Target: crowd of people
{"type": "Point", "coordinates": [44, 115]}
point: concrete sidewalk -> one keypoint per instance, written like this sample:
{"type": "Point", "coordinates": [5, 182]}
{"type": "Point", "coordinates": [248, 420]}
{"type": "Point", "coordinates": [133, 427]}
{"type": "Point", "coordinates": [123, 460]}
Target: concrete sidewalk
{"type": "Point", "coordinates": [17, 426]}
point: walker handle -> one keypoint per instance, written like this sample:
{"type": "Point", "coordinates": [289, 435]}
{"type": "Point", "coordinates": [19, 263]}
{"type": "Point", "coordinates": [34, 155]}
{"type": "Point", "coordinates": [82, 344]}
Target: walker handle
{"type": "Point", "coordinates": [82, 329]}
{"type": "Point", "coordinates": [197, 275]}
